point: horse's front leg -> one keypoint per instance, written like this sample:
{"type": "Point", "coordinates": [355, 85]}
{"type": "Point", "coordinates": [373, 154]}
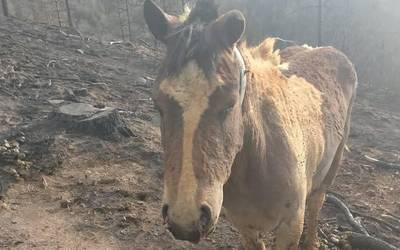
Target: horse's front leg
{"type": "Point", "coordinates": [288, 234]}
{"type": "Point", "coordinates": [251, 240]}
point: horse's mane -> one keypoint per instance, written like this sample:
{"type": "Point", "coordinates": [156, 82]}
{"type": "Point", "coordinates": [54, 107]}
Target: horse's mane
{"type": "Point", "coordinates": [263, 53]}
{"type": "Point", "coordinates": [188, 43]}
{"type": "Point", "coordinates": [188, 39]}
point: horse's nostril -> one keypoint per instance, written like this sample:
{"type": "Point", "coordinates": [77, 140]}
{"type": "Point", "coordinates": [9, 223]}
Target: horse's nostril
{"type": "Point", "coordinates": [205, 217]}
{"type": "Point", "coordinates": [164, 211]}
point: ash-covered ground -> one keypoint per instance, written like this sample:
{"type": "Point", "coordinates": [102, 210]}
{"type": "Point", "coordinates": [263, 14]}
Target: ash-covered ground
{"type": "Point", "coordinates": [65, 188]}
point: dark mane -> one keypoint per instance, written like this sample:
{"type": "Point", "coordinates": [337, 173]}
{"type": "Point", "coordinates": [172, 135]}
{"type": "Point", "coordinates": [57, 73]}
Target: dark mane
{"type": "Point", "coordinates": [205, 11]}
{"type": "Point", "coordinates": [186, 42]}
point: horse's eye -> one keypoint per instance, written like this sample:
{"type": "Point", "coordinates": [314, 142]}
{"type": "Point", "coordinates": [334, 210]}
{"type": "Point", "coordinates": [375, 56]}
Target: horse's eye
{"type": "Point", "coordinates": [223, 113]}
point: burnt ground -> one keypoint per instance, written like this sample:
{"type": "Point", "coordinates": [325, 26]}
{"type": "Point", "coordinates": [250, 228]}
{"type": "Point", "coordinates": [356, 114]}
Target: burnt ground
{"type": "Point", "coordinates": [69, 190]}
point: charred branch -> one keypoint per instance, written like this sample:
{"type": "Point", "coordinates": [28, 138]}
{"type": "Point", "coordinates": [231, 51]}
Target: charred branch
{"type": "Point", "coordinates": [349, 216]}
{"type": "Point", "coordinates": [382, 164]}
{"type": "Point", "coordinates": [366, 242]}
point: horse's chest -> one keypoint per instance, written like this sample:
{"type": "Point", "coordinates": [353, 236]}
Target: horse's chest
{"type": "Point", "coordinates": [263, 203]}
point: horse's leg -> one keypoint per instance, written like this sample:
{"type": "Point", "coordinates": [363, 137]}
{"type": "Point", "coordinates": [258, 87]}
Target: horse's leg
{"type": "Point", "coordinates": [289, 232]}
{"type": "Point", "coordinates": [251, 240]}
{"type": "Point", "coordinates": [249, 237]}
{"type": "Point", "coordinates": [314, 204]}
{"type": "Point", "coordinates": [316, 200]}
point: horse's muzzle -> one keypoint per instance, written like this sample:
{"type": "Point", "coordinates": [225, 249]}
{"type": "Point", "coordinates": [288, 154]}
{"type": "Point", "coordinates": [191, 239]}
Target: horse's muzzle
{"type": "Point", "coordinates": [183, 234]}
{"type": "Point", "coordinates": [200, 229]}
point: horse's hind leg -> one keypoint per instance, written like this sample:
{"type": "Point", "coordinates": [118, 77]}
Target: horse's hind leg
{"type": "Point", "coordinates": [316, 199]}
{"type": "Point", "coordinates": [314, 204]}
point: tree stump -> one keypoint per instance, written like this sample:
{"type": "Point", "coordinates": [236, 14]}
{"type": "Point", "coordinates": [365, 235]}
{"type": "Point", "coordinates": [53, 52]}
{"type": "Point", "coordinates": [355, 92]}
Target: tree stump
{"type": "Point", "coordinates": [87, 119]}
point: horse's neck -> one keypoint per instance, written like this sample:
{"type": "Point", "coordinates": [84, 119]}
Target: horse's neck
{"type": "Point", "coordinates": [263, 129]}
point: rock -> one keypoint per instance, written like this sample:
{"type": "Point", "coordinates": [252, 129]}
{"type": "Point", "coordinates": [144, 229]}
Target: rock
{"type": "Point", "coordinates": [21, 140]}
{"type": "Point", "coordinates": [81, 92]}
{"type": "Point", "coordinates": [102, 85]}
{"type": "Point", "coordinates": [88, 76]}
{"type": "Point", "coordinates": [141, 80]}
{"type": "Point", "coordinates": [70, 96]}
{"type": "Point", "coordinates": [100, 105]}
{"type": "Point", "coordinates": [56, 102]}
{"type": "Point", "coordinates": [66, 203]}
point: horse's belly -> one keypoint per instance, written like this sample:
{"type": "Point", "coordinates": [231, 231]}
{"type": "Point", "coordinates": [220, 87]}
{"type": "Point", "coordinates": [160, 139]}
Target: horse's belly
{"type": "Point", "coordinates": [325, 165]}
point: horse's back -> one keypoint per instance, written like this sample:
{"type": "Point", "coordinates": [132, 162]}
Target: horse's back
{"type": "Point", "coordinates": [328, 69]}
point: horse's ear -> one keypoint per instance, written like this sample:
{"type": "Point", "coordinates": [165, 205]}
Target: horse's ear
{"type": "Point", "coordinates": [226, 30]}
{"type": "Point", "coordinates": [159, 22]}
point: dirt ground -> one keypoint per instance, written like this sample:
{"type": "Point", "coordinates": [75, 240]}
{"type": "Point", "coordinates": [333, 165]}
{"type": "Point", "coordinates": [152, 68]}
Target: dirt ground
{"type": "Point", "coordinates": [61, 189]}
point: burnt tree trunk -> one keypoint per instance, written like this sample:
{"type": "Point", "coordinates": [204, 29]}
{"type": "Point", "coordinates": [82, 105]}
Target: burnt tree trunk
{"type": "Point", "coordinates": [121, 24]}
{"type": "Point", "coordinates": [70, 22]}
{"type": "Point", "coordinates": [5, 7]}
{"type": "Point", "coordinates": [129, 20]}
{"type": "Point", "coordinates": [58, 13]}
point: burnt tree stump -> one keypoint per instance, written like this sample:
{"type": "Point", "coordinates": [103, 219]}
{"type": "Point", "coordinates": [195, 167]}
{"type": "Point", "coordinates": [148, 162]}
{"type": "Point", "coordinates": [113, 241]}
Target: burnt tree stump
{"type": "Point", "coordinates": [85, 118]}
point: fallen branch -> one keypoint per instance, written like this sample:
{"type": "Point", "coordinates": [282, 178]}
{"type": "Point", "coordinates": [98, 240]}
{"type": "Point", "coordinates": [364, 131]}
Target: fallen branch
{"type": "Point", "coordinates": [381, 163]}
{"type": "Point", "coordinates": [366, 242]}
{"type": "Point", "coordinates": [385, 223]}
{"type": "Point", "coordinates": [340, 204]}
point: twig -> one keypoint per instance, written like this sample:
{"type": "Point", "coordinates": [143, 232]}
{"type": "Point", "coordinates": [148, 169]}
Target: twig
{"type": "Point", "coordinates": [340, 204]}
{"type": "Point", "coordinates": [145, 43]}
{"type": "Point", "coordinates": [393, 215]}
{"type": "Point", "coordinates": [321, 232]}
{"type": "Point", "coordinates": [286, 41]}
{"type": "Point", "coordinates": [71, 35]}
{"type": "Point", "coordinates": [51, 63]}
{"type": "Point", "coordinates": [381, 163]}
{"type": "Point", "coordinates": [6, 92]}
{"type": "Point", "coordinates": [392, 218]}
{"type": "Point", "coordinates": [366, 242]}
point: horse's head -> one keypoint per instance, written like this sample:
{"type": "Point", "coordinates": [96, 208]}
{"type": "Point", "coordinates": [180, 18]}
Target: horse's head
{"type": "Point", "coordinates": [199, 93]}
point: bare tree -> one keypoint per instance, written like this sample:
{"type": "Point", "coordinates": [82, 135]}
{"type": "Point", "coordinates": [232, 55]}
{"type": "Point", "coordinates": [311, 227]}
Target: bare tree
{"type": "Point", "coordinates": [121, 23]}
{"type": "Point", "coordinates": [71, 24]}
{"type": "Point", "coordinates": [129, 20]}
{"type": "Point", "coordinates": [58, 13]}
{"type": "Point", "coordinates": [5, 7]}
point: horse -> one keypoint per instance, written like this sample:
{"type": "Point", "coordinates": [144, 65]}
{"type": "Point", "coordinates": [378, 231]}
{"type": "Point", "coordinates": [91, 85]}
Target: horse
{"type": "Point", "coordinates": [244, 128]}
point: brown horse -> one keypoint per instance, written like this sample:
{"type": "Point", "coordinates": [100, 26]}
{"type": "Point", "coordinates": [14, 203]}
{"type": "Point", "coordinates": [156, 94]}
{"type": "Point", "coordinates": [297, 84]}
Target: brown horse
{"type": "Point", "coordinates": [247, 129]}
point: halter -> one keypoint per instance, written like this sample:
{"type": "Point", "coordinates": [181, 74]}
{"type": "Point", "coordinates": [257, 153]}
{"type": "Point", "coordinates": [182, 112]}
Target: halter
{"type": "Point", "coordinates": [242, 72]}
